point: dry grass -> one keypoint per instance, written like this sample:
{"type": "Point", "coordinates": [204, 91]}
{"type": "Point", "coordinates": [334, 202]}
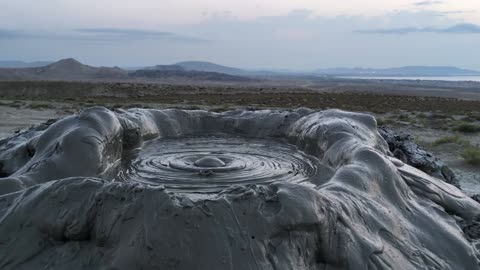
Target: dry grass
{"type": "Point", "coordinates": [446, 139]}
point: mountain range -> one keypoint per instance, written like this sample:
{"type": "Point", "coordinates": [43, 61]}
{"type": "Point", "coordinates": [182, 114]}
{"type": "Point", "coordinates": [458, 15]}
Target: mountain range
{"type": "Point", "coordinates": [71, 69]}
{"type": "Point", "coordinates": [398, 71]}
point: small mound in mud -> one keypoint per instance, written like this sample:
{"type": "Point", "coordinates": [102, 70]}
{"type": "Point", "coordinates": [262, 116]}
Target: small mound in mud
{"type": "Point", "coordinates": [172, 189]}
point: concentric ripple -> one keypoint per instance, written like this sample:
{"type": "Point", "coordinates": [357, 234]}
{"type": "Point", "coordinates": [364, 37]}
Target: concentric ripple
{"type": "Point", "coordinates": [208, 164]}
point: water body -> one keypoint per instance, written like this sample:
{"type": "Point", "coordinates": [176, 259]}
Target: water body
{"type": "Point", "coordinates": [421, 78]}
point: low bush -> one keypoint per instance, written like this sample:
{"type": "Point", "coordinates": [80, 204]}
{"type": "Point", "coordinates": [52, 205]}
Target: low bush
{"type": "Point", "coordinates": [446, 139]}
{"type": "Point", "coordinates": [37, 106]}
{"type": "Point", "coordinates": [471, 154]}
{"type": "Point", "coordinates": [404, 117]}
{"type": "Point", "coordinates": [421, 115]}
{"type": "Point", "coordinates": [469, 119]}
{"type": "Point", "coordinates": [467, 128]}
{"type": "Point", "coordinates": [474, 115]}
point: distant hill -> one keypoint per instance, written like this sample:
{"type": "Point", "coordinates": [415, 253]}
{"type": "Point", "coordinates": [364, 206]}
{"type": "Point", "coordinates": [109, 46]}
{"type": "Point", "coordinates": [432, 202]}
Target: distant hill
{"type": "Point", "coordinates": [191, 75]}
{"type": "Point", "coordinates": [21, 64]}
{"type": "Point", "coordinates": [166, 67]}
{"type": "Point", "coordinates": [210, 67]}
{"type": "Point", "coordinates": [72, 70]}
{"type": "Point", "coordinates": [400, 71]}
{"type": "Point", "coordinates": [66, 69]}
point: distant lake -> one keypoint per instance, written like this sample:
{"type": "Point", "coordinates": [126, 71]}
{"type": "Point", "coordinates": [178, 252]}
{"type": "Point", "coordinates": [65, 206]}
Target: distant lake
{"type": "Point", "coordinates": [424, 78]}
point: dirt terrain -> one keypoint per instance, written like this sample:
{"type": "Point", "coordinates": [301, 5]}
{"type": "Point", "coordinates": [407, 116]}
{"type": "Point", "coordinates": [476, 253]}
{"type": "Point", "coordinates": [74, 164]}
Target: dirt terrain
{"type": "Point", "coordinates": [128, 94]}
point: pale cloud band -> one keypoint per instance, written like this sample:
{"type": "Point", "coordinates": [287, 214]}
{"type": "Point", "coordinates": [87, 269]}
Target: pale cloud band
{"type": "Point", "coordinates": [101, 34]}
{"type": "Point", "coordinates": [456, 29]}
{"type": "Point", "coordinates": [151, 13]}
{"type": "Point", "coordinates": [428, 3]}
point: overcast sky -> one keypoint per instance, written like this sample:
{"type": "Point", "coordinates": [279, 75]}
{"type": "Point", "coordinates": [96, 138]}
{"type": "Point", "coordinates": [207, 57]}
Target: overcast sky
{"type": "Point", "coordinates": [281, 34]}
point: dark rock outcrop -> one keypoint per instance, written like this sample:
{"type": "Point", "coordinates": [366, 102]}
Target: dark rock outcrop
{"type": "Point", "coordinates": [404, 148]}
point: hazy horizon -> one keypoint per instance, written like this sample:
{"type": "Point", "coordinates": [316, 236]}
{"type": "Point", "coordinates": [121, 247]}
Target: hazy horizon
{"type": "Point", "coordinates": [279, 69]}
{"type": "Point", "coordinates": [267, 34]}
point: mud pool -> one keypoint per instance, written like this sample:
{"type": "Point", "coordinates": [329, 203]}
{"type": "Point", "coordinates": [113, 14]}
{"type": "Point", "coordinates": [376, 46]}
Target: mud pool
{"type": "Point", "coordinates": [208, 164]}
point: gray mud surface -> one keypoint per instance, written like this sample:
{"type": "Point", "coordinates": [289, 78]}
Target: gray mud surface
{"type": "Point", "coordinates": [208, 164]}
{"type": "Point", "coordinates": [173, 189]}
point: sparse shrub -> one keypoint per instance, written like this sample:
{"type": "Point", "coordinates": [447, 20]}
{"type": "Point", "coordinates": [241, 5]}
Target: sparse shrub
{"type": "Point", "coordinates": [421, 115]}
{"type": "Point", "coordinates": [221, 109]}
{"type": "Point", "coordinates": [380, 122]}
{"type": "Point", "coordinates": [192, 108]}
{"type": "Point", "coordinates": [474, 115]}
{"type": "Point", "coordinates": [471, 154]}
{"type": "Point", "coordinates": [39, 106]}
{"type": "Point", "coordinates": [116, 106]}
{"type": "Point", "coordinates": [404, 117]}
{"type": "Point", "coordinates": [464, 143]}
{"type": "Point", "coordinates": [16, 104]}
{"type": "Point", "coordinates": [469, 119]}
{"type": "Point", "coordinates": [446, 139]}
{"type": "Point", "coordinates": [439, 116]}
{"type": "Point", "coordinates": [467, 128]}
{"type": "Point", "coordinates": [389, 121]}
{"type": "Point", "coordinates": [134, 105]}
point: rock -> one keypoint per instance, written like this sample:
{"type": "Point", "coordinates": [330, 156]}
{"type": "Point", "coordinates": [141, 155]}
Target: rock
{"type": "Point", "coordinates": [404, 148]}
{"type": "Point", "coordinates": [476, 197]}
{"type": "Point", "coordinates": [472, 230]}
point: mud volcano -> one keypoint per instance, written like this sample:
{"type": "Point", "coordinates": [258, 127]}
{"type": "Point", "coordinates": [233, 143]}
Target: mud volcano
{"type": "Point", "coordinates": [172, 189]}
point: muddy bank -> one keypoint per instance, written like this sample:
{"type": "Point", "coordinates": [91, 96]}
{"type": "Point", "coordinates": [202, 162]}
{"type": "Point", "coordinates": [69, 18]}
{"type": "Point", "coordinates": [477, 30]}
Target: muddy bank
{"type": "Point", "coordinates": [327, 194]}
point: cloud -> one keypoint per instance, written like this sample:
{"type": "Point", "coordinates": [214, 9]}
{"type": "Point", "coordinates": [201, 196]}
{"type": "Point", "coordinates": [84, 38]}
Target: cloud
{"type": "Point", "coordinates": [6, 34]}
{"type": "Point", "coordinates": [428, 3]}
{"type": "Point", "coordinates": [299, 40]}
{"type": "Point", "coordinates": [100, 35]}
{"type": "Point", "coordinates": [136, 34]}
{"type": "Point", "coordinates": [456, 29]}
{"type": "Point", "coordinates": [462, 29]}
{"type": "Point", "coordinates": [13, 34]}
